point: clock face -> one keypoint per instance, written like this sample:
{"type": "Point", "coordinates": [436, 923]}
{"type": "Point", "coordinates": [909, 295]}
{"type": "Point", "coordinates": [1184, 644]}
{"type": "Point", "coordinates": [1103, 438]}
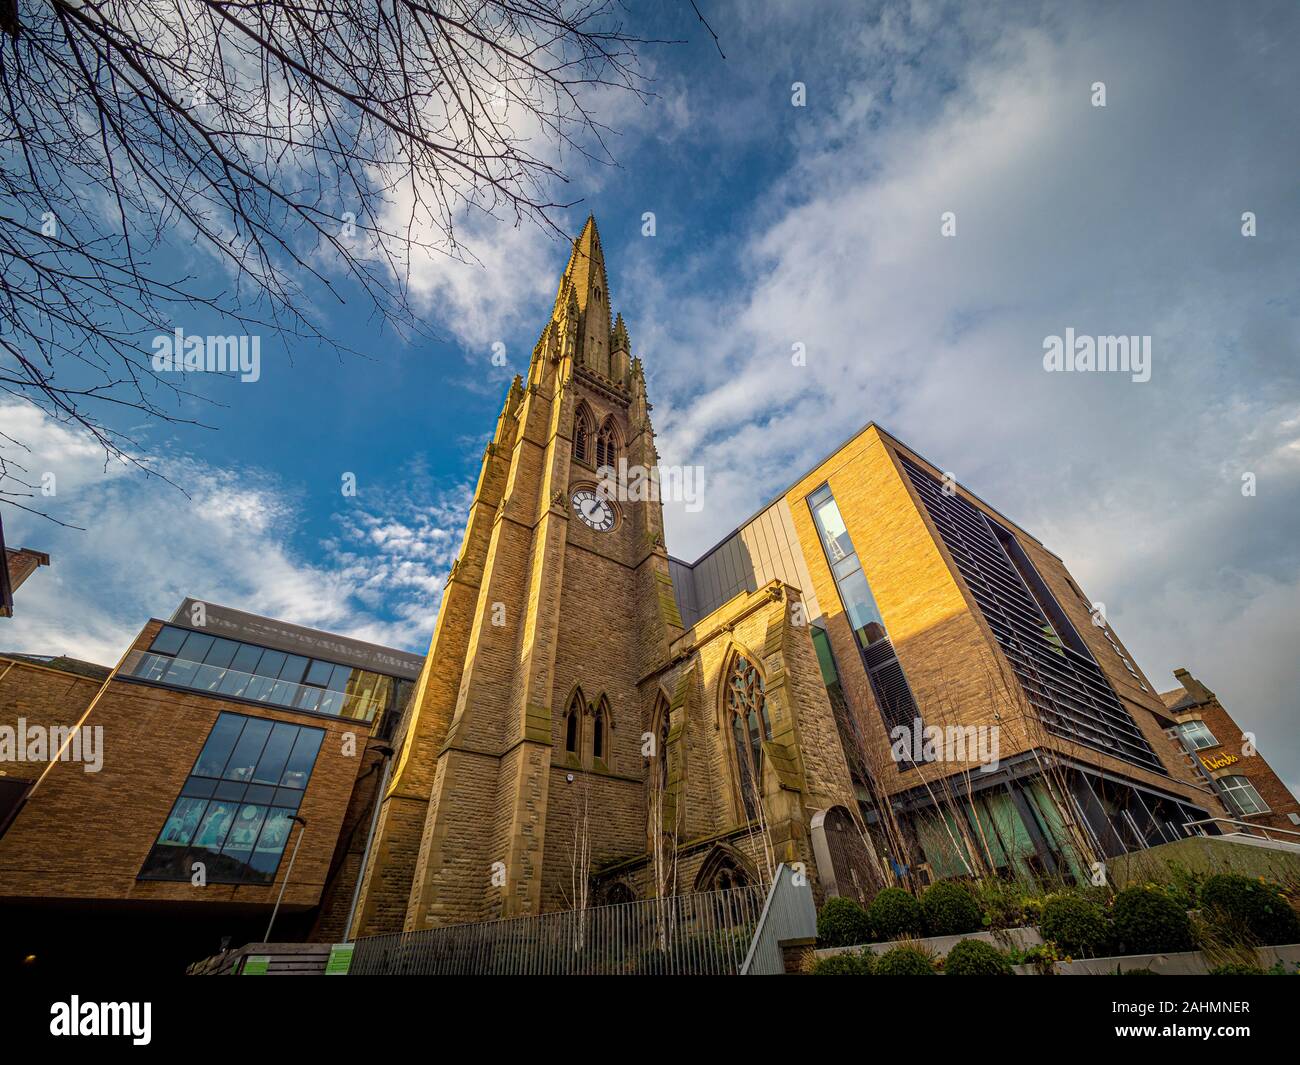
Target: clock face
{"type": "Point", "coordinates": [594, 511]}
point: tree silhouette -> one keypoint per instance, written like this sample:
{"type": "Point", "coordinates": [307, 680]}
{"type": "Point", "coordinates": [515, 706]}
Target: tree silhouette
{"type": "Point", "coordinates": [299, 148]}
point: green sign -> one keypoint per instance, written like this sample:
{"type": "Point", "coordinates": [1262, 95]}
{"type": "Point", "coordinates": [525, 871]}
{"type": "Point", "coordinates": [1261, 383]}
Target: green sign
{"type": "Point", "coordinates": [257, 965]}
{"type": "Point", "coordinates": [340, 959]}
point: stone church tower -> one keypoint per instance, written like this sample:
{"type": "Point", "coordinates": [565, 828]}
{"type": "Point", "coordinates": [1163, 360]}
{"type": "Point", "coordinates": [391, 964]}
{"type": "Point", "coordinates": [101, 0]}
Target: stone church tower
{"type": "Point", "coordinates": [566, 734]}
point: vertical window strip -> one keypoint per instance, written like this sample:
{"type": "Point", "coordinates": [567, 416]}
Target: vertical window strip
{"type": "Point", "coordinates": [889, 685]}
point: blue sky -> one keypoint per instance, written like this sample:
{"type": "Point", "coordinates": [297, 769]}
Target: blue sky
{"type": "Point", "coordinates": [818, 225]}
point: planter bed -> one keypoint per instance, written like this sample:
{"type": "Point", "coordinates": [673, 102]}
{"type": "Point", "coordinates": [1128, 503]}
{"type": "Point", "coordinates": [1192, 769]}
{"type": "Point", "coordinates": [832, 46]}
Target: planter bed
{"type": "Point", "coordinates": [1003, 939]}
{"type": "Point", "coordinates": [1186, 963]}
{"type": "Point", "coordinates": [1183, 963]}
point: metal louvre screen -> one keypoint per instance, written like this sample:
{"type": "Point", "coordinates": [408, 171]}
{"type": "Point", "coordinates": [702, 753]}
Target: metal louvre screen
{"type": "Point", "coordinates": [1066, 687]}
{"type": "Point", "coordinates": [891, 689]}
{"type": "Point", "coordinates": [706, 934]}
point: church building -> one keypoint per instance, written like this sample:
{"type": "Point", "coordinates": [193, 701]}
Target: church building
{"type": "Point", "coordinates": [568, 730]}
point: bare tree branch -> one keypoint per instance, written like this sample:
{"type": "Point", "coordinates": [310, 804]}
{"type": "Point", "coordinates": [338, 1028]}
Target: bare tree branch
{"type": "Point", "coordinates": [303, 151]}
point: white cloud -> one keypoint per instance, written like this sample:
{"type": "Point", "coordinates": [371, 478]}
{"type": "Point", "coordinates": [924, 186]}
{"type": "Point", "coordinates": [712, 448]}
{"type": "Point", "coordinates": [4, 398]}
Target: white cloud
{"type": "Point", "coordinates": [146, 546]}
{"type": "Point", "coordinates": [1116, 220]}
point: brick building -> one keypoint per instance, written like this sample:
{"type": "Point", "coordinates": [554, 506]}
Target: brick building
{"type": "Point", "coordinates": [936, 617]}
{"type": "Point", "coordinates": [155, 807]}
{"type": "Point", "coordinates": [16, 565]}
{"type": "Point", "coordinates": [1226, 756]}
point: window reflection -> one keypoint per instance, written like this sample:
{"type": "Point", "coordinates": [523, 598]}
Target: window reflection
{"type": "Point", "coordinates": [235, 811]}
{"type": "Point", "coordinates": [855, 592]}
{"type": "Point", "coordinates": [246, 671]}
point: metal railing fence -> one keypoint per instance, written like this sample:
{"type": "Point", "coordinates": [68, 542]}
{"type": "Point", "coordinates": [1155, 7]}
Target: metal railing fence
{"type": "Point", "coordinates": [706, 934]}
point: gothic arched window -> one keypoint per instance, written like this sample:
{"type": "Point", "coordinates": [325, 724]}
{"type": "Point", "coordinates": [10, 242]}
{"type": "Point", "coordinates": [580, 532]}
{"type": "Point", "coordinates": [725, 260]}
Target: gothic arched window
{"type": "Point", "coordinates": [747, 708]}
{"type": "Point", "coordinates": [600, 731]}
{"type": "Point", "coordinates": [584, 430]}
{"type": "Point", "coordinates": [607, 444]}
{"type": "Point", "coordinates": [722, 870]}
{"type": "Point", "coordinates": [573, 723]}
{"type": "Point", "coordinates": [663, 724]}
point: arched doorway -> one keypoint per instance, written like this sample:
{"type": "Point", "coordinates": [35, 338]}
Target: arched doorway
{"type": "Point", "coordinates": [844, 864]}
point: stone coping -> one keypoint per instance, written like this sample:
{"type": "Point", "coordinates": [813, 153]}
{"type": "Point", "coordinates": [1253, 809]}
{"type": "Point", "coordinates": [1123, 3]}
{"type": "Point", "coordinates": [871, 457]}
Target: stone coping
{"type": "Point", "coordinates": [1003, 938]}
{"type": "Point", "coordinates": [1181, 963]}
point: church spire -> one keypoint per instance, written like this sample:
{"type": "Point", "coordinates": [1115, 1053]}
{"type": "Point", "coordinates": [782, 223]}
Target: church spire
{"type": "Point", "coordinates": [585, 270]}
{"type": "Point", "coordinates": [584, 284]}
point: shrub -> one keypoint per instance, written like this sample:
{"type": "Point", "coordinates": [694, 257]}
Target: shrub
{"type": "Point", "coordinates": [1076, 925]}
{"type": "Point", "coordinates": [1236, 968]}
{"type": "Point", "coordinates": [850, 963]}
{"type": "Point", "coordinates": [1147, 921]}
{"type": "Point", "coordinates": [1232, 901]}
{"type": "Point", "coordinates": [842, 923]}
{"type": "Point", "coordinates": [1183, 884]}
{"type": "Point", "coordinates": [974, 957]}
{"type": "Point", "coordinates": [950, 909]}
{"type": "Point", "coordinates": [894, 913]}
{"type": "Point", "coordinates": [1003, 903]}
{"type": "Point", "coordinates": [904, 961]}
{"type": "Point", "coordinates": [1032, 909]}
{"type": "Point", "coordinates": [1042, 956]}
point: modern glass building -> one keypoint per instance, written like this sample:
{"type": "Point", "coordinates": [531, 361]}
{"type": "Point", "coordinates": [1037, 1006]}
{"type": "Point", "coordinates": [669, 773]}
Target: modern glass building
{"type": "Point", "coordinates": [241, 757]}
{"type": "Point", "coordinates": [935, 615]}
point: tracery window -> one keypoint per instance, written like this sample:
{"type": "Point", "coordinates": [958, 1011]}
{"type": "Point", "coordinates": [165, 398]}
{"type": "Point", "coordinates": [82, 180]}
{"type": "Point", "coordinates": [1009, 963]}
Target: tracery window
{"type": "Point", "coordinates": [747, 708]}
{"type": "Point", "coordinates": [721, 871]}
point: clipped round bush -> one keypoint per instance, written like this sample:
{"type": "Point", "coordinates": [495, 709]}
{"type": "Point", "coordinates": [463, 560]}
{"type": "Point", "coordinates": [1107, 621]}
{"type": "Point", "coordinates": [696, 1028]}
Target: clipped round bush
{"type": "Point", "coordinates": [1147, 921]}
{"type": "Point", "coordinates": [1236, 968]}
{"type": "Point", "coordinates": [850, 963]}
{"type": "Point", "coordinates": [895, 913]}
{"type": "Point", "coordinates": [842, 922]}
{"type": "Point", "coordinates": [950, 909]}
{"type": "Point", "coordinates": [903, 961]}
{"type": "Point", "coordinates": [1232, 901]}
{"type": "Point", "coordinates": [974, 957]}
{"type": "Point", "coordinates": [1076, 925]}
